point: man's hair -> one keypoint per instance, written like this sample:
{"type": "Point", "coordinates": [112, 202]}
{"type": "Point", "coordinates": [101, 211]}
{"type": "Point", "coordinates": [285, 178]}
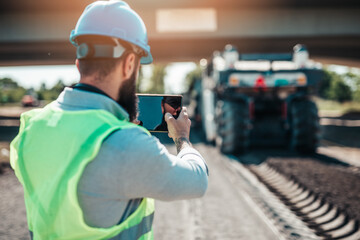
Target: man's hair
{"type": "Point", "coordinates": [102, 66]}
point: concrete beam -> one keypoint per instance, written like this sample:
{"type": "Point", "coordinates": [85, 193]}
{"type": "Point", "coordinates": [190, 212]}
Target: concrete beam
{"type": "Point", "coordinates": [41, 36]}
{"type": "Point", "coordinates": [79, 5]}
{"type": "Point", "coordinates": [176, 50]}
{"type": "Point", "coordinates": [231, 23]}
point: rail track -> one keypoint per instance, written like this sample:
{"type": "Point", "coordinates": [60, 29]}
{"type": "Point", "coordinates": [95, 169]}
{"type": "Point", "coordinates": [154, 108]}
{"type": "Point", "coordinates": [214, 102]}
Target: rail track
{"type": "Point", "coordinates": [326, 220]}
{"type": "Point", "coordinates": [296, 209]}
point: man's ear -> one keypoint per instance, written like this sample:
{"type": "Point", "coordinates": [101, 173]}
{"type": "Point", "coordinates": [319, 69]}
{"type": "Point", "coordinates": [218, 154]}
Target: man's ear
{"type": "Point", "coordinates": [129, 65]}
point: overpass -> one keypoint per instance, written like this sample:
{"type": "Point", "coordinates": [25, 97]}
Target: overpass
{"type": "Point", "coordinates": [36, 32]}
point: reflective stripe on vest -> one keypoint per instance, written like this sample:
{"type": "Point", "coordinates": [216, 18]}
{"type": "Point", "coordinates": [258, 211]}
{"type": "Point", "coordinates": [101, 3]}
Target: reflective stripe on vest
{"type": "Point", "coordinates": [49, 155]}
{"type": "Point", "coordinates": [134, 232]}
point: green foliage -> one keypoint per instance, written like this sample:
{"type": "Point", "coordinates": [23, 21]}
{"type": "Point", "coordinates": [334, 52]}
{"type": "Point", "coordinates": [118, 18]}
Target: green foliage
{"type": "Point", "coordinates": [339, 91]}
{"type": "Point", "coordinates": [16, 94]}
{"type": "Point", "coordinates": [8, 83]}
{"type": "Point", "coordinates": [334, 86]}
{"type": "Point", "coordinates": [192, 77]}
{"type": "Point", "coordinates": [354, 79]}
{"type": "Point", "coordinates": [157, 80]}
{"type": "Point", "coordinates": [325, 83]}
{"type": "Point", "coordinates": [10, 91]}
{"type": "Point", "coordinates": [50, 94]}
{"type": "Point", "coordinates": [59, 87]}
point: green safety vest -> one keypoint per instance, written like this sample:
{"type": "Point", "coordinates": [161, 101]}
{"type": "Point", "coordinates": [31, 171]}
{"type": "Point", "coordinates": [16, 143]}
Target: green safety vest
{"type": "Point", "coordinates": [49, 156]}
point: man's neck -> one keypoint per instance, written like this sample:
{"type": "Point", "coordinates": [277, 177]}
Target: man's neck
{"type": "Point", "coordinates": [90, 88]}
{"type": "Point", "coordinates": [106, 85]}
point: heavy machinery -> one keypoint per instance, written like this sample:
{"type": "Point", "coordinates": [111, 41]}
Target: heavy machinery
{"type": "Point", "coordinates": [260, 100]}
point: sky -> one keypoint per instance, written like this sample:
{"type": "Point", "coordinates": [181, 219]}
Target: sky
{"type": "Point", "coordinates": [34, 76]}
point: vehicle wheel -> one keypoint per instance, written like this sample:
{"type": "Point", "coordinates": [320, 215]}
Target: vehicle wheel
{"type": "Point", "coordinates": [305, 128]}
{"type": "Point", "coordinates": [232, 120]}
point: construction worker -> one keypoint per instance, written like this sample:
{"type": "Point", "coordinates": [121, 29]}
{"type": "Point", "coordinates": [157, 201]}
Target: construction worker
{"type": "Point", "coordinates": [88, 172]}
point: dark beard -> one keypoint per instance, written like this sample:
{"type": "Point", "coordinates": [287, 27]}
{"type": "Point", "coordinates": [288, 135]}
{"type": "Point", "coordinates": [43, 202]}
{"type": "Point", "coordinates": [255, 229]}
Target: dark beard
{"type": "Point", "coordinates": [127, 97]}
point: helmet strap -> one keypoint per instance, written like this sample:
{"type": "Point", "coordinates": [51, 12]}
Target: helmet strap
{"type": "Point", "coordinates": [89, 50]}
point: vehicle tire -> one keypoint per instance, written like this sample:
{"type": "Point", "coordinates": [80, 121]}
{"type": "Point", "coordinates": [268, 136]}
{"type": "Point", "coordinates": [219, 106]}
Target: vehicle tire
{"type": "Point", "coordinates": [305, 128]}
{"type": "Point", "coordinates": [232, 121]}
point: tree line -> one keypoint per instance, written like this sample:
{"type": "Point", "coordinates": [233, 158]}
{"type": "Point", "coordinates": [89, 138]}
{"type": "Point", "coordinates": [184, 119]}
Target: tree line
{"type": "Point", "coordinates": [12, 92]}
{"type": "Point", "coordinates": [340, 87]}
{"type": "Point", "coordinates": [334, 86]}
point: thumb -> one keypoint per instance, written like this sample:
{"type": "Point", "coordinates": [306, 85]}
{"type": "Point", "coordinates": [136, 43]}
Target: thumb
{"type": "Point", "coordinates": [168, 116]}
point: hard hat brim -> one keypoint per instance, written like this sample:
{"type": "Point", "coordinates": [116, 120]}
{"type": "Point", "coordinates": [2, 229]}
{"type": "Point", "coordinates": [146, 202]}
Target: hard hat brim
{"type": "Point", "coordinates": [146, 60]}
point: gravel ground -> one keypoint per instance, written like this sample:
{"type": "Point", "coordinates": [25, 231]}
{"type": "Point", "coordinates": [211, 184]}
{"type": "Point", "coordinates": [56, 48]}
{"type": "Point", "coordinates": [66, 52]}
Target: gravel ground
{"type": "Point", "coordinates": [13, 223]}
{"type": "Point", "coordinates": [336, 183]}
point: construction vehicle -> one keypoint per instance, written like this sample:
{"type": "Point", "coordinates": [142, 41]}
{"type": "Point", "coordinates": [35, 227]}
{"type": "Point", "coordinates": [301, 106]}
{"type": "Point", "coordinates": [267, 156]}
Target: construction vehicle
{"type": "Point", "coordinates": [260, 100]}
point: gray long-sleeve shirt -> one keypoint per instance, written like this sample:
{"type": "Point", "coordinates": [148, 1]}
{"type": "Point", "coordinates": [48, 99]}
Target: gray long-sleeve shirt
{"type": "Point", "coordinates": [129, 166]}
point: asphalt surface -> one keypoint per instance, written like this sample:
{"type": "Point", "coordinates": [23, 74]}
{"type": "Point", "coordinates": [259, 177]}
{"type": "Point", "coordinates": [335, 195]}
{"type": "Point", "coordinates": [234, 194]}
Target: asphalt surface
{"type": "Point", "coordinates": [13, 223]}
{"type": "Point", "coordinates": [223, 213]}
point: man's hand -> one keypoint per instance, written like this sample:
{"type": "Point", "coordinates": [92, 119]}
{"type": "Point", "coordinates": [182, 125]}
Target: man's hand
{"type": "Point", "coordinates": [179, 129]}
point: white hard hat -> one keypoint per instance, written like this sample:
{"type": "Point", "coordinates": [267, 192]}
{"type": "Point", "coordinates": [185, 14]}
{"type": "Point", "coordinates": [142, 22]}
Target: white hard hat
{"type": "Point", "coordinates": [114, 19]}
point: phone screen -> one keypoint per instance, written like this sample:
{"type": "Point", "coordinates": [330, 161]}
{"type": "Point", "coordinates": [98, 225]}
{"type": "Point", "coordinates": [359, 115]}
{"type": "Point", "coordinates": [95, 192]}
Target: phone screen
{"type": "Point", "coordinates": [152, 109]}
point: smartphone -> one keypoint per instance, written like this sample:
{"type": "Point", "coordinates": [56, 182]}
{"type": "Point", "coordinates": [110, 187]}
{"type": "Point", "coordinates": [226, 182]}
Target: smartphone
{"type": "Point", "coordinates": [152, 108]}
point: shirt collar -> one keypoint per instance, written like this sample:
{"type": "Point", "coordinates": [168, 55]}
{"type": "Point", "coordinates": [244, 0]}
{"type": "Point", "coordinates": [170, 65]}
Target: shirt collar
{"type": "Point", "coordinates": [75, 99]}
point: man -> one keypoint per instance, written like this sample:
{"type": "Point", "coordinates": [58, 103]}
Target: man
{"type": "Point", "coordinates": [172, 105]}
{"type": "Point", "coordinates": [87, 172]}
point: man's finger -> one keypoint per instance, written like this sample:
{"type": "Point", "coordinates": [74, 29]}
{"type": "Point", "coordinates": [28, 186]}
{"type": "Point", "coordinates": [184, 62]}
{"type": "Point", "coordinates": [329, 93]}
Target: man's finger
{"type": "Point", "coordinates": [183, 112]}
{"type": "Point", "coordinates": [168, 116]}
